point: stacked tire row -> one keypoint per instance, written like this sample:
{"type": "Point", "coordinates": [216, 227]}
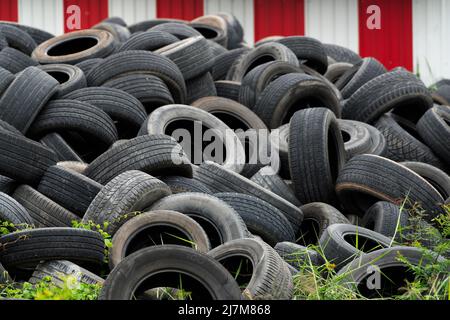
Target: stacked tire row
{"type": "Point", "coordinates": [89, 125]}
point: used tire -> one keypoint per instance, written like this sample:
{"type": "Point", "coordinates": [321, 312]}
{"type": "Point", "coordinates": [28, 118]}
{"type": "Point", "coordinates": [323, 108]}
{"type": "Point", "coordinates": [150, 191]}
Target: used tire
{"type": "Point", "coordinates": [124, 196]}
{"type": "Point", "coordinates": [140, 62]}
{"type": "Point", "coordinates": [224, 61]}
{"type": "Point", "coordinates": [44, 211]}
{"type": "Point", "coordinates": [13, 212]}
{"type": "Point", "coordinates": [26, 249]}
{"type": "Point", "coordinates": [69, 188]}
{"type": "Point", "coordinates": [220, 221]}
{"type": "Point", "coordinates": [262, 219]}
{"type": "Point", "coordinates": [317, 217]}
{"type": "Point", "coordinates": [154, 154]}
{"type": "Point", "coordinates": [181, 185]}
{"type": "Point", "coordinates": [87, 65]}
{"type": "Point", "coordinates": [228, 89]}
{"type": "Point", "coordinates": [74, 47]}
{"type": "Point", "coordinates": [434, 129]}
{"type": "Point", "coordinates": [148, 41]}
{"type": "Point", "coordinates": [159, 120]}
{"type": "Point", "coordinates": [26, 96]}
{"type": "Point", "coordinates": [367, 179]}
{"type": "Point", "coordinates": [336, 70]}
{"type": "Point", "coordinates": [342, 243]}
{"type": "Point", "coordinates": [341, 54]}
{"type": "Point", "coordinates": [219, 179]}
{"type": "Point", "coordinates": [15, 61]}
{"type": "Point", "coordinates": [70, 77]}
{"type": "Point", "coordinates": [62, 149]}
{"type": "Point", "coordinates": [169, 227]}
{"type": "Point", "coordinates": [291, 93]}
{"type": "Point", "coordinates": [179, 30]}
{"type": "Point", "coordinates": [166, 266]}
{"type": "Point", "coordinates": [18, 39]}
{"type": "Point", "coordinates": [199, 87]}
{"type": "Point", "coordinates": [385, 218]}
{"type": "Point", "coordinates": [270, 277]}
{"type": "Point", "coordinates": [298, 256]}
{"type": "Point", "coordinates": [316, 155]}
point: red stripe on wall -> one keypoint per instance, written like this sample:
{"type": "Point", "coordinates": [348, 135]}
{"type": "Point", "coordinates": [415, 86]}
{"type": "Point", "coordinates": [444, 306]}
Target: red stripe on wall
{"type": "Point", "coordinates": [281, 18]}
{"type": "Point", "coordinates": [393, 43]}
{"type": "Point", "coordinates": [92, 12]}
{"type": "Point", "coordinates": [179, 9]}
{"type": "Point", "coordinates": [9, 10]}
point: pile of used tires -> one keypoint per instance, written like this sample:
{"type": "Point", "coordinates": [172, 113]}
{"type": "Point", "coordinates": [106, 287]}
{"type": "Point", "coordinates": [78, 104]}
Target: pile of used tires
{"type": "Point", "coordinates": [88, 135]}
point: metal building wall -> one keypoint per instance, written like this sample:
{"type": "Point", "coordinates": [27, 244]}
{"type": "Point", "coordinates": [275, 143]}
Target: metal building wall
{"type": "Point", "coordinates": [333, 21]}
{"type": "Point", "coordinates": [431, 30]}
{"type": "Point", "coordinates": [92, 11]}
{"type": "Point", "coordinates": [242, 9]}
{"type": "Point", "coordinates": [179, 9]}
{"type": "Point", "coordinates": [42, 14]}
{"type": "Point", "coordinates": [133, 11]}
{"type": "Point", "coordinates": [8, 10]}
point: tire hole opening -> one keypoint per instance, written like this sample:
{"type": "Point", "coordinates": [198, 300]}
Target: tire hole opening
{"type": "Point", "coordinates": [309, 232]}
{"type": "Point", "coordinates": [61, 77]}
{"type": "Point", "coordinates": [214, 236]}
{"type": "Point", "coordinates": [259, 61]}
{"type": "Point", "coordinates": [240, 267]}
{"type": "Point", "coordinates": [362, 243]}
{"type": "Point", "coordinates": [72, 46]}
{"type": "Point", "coordinates": [208, 33]}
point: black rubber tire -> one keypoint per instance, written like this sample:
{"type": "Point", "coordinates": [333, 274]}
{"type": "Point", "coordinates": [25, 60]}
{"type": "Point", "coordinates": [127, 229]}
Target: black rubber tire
{"type": "Point", "coordinates": [7, 185]}
{"type": "Point", "coordinates": [140, 62]}
{"type": "Point", "coordinates": [219, 179]}
{"type": "Point", "coordinates": [58, 270]}
{"type": "Point", "coordinates": [273, 182]}
{"type": "Point", "coordinates": [228, 89]}
{"type": "Point", "coordinates": [217, 283]}
{"type": "Point", "coordinates": [148, 24]}
{"type": "Point", "coordinates": [367, 179]}
{"type": "Point", "coordinates": [199, 87]}
{"type": "Point", "coordinates": [73, 115]}
{"type": "Point", "coordinates": [179, 30]}
{"type": "Point", "coordinates": [233, 114]}
{"type": "Point", "coordinates": [125, 110]}
{"type": "Point", "coordinates": [182, 185]}
{"type": "Point", "coordinates": [18, 39]}
{"type": "Point", "coordinates": [216, 31]}
{"type": "Point", "coordinates": [220, 221]}
{"type": "Point", "coordinates": [264, 53]}
{"type": "Point", "coordinates": [193, 56]}
{"type": "Point", "coordinates": [260, 77]}
{"type": "Point", "coordinates": [341, 54]}
{"type": "Point", "coordinates": [125, 240]}
{"type": "Point", "coordinates": [150, 90]}
{"type": "Point", "coordinates": [279, 140]}
{"type": "Point", "coordinates": [216, 48]}
{"type": "Point", "coordinates": [336, 70]}
{"type": "Point", "coordinates": [87, 65]}
{"type": "Point", "coordinates": [316, 155]}
{"type": "Point", "coordinates": [308, 50]}
{"type": "Point", "coordinates": [270, 279]}
{"type": "Point", "coordinates": [291, 93]}
{"type": "Point", "coordinates": [235, 31]}
{"type": "Point", "coordinates": [298, 256]}
{"type": "Point", "coordinates": [154, 154]}
{"type": "Point", "coordinates": [402, 141]}
{"type": "Point", "coordinates": [317, 217]}
{"type": "Point", "coordinates": [69, 189]}
{"type": "Point", "coordinates": [44, 211]}
{"type": "Point", "coordinates": [262, 219]}
{"type": "Point", "coordinates": [60, 49]}
{"type": "Point", "coordinates": [358, 75]}
{"type": "Point", "coordinates": [26, 96]}
{"type": "Point", "coordinates": [159, 120]}
{"type": "Point", "coordinates": [224, 61]}
{"type": "Point", "coordinates": [62, 149]}
{"type": "Point", "coordinates": [26, 249]}
{"type": "Point", "coordinates": [148, 41]}
{"type": "Point", "coordinates": [6, 78]}
{"type": "Point", "coordinates": [362, 138]}
{"type": "Point", "coordinates": [355, 275]}
{"type": "Point", "coordinates": [22, 159]}
{"type": "Point", "coordinates": [435, 176]}
{"type": "Point", "coordinates": [120, 33]}
{"type": "Point", "coordinates": [70, 78]}
{"type": "Point", "coordinates": [13, 212]}
{"type": "Point", "coordinates": [386, 218]}
{"type": "Point", "coordinates": [15, 61]}
{"type": "Point", "coordinates": [384, 93]}
{"type": "Point", "coordinates": [124, 196]}
{"type": "Point", "coordinates": [38, 35]}
{"type": "Point", "coordinates": [339, 249]}
{"type": "Point", "coordinates": [434, 128]}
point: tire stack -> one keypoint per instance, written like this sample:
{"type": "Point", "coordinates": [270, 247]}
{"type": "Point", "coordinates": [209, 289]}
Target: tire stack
{"type": "Point", "coordinates": [90, 128]}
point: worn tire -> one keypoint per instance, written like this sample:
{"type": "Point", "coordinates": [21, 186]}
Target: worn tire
{"type": "Point", "coordinates": [435, 176]}
{"type": "Point", "coordinates": [13, 212]}
{"type": "Point", "coordinates": [15, 61]}
{"type": "Point", "coordinates": [298, 256]}
{"type": "Point", "coordinates": [62, 149]}
{"type": "Point", "coordinates": [341, 54]}
{"type": "Point", "coordinates": [200, 87]}
{"type": "Point", "coordinates": [180, 30]}
{"type": "Point", "coordinates": [224, 62]}
{"type": "Point", "coordinates": [148, 41]}
{"type": "Point", "coordinates": [18, 39]}
{"type": "Point", "coordinates": [316, 155]}
{"type": "Point", "coordinates": [70, 78]}
{"type": "Point", "coordinates": [384, 217]}
{"type": "Point", "coordinates": [228, 89]}
{"type": "Point", "coordinates": [182, 185]}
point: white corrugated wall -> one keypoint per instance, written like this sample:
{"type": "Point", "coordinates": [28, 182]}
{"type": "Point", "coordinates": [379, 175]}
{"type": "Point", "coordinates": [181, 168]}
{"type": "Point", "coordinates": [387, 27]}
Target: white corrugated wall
{"type": "Point", "coordinates": [43, 14]}
{"type": "Point", "coordinates": [242, 9]}
{"type": "Point", "coordinates": [431, 32]}
{"type": "Point", "coordinates": [133, 11]}
{"type": "Point", "coordinates": [333, 21]}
